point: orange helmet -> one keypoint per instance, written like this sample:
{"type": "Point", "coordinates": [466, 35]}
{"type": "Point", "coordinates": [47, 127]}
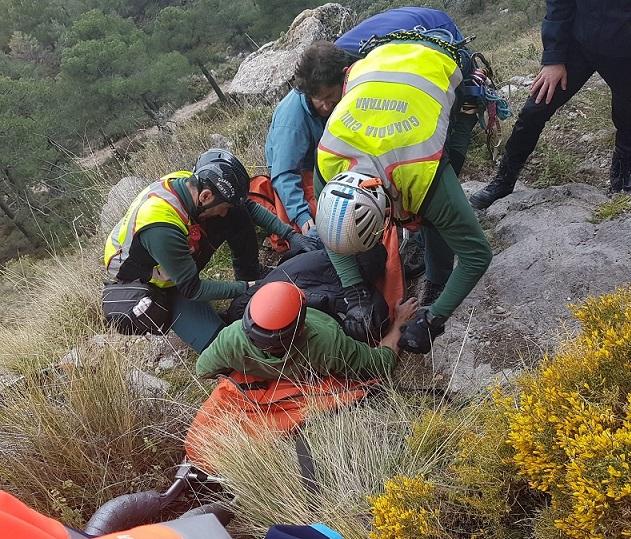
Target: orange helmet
{"type": "Point", "coordinates": [275, 316]}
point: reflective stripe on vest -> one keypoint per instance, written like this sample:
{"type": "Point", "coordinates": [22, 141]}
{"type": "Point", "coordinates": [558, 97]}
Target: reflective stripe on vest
{"type": "Point", "coordinates": [392, 120]}
{"type": "Point", "coordinates": [158, 203]}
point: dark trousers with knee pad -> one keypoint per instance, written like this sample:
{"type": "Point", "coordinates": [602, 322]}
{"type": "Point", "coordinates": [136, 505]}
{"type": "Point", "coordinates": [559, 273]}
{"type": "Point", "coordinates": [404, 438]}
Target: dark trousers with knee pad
{"type": "Point", "coordinates": [196, 322]}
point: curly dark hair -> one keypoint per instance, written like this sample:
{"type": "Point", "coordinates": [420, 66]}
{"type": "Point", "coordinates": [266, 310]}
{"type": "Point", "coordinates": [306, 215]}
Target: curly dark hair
{"type": "Point", "coordinates": [322, 64]}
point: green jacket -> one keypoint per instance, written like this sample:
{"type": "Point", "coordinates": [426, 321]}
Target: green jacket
{"type": "Point", "coordinates": [322, 348]}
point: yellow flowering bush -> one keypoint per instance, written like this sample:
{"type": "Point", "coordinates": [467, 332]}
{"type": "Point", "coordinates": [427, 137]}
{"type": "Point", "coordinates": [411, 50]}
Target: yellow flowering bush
{"type": "Point", "coordinates": [403, 511]}
{"type": "Point", "coordinates": [473, 479]}
{"type": "Point", "coordinates": [571, 428]}
{"type": "Point", "coordinates": [549, 459]}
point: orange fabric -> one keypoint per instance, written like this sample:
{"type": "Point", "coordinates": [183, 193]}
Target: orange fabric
{"type": "Point", "coordinates": [392, 285]}
{"type": "Point", "coordinates": [281, 406]}
{"type": "Point", "coordinates": [18, 521]}
{"type": "Point", "coordinates": [262, 192]}
{"type": "Point", "coordinates": [151, 531]}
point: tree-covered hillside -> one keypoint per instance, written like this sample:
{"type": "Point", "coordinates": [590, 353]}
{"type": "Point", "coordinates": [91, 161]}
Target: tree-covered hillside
{"type": "Point", "coordinates": [77, 73]}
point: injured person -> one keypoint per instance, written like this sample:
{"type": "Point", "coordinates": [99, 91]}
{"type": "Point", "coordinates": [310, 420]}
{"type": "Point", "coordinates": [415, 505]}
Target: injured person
{"type": "Point", "coordinates": [315, 275]}
{"type": "Point", "coordinates": [280, 337]}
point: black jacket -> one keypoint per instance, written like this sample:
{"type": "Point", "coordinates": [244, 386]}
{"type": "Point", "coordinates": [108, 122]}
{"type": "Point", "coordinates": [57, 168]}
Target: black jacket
{"type": "Point", "coordinates": [600, 26]}
{"type": "Point", "coordinates": [314, 273]}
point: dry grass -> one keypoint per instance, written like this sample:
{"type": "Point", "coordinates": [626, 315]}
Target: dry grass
{"type": "Point", "coordinates": [245, 129]}
{"type": "Point", "coordinates": [617, 206]}
{"type": "Point", "coordinates": [355, 450]}
{"type": "Point", "coordinates": [56, 305]}
{"type": "Point", "coordinates": [73, 439]}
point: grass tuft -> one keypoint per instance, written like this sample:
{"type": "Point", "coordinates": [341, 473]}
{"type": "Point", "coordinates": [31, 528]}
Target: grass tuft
{"type": "Point", "coordinates": [612, 209]}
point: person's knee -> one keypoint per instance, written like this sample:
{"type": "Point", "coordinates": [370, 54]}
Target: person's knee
{"type": "Point", "coordinates": [535, 113]}
{"type": "Point", "coordinates": [486, 255]}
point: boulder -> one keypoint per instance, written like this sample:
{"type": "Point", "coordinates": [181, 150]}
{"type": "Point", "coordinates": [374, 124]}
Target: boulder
{"type": "Point", "coordinates": [547, 254]}
{"type": "Point", "coordinates": [118, 200]}
{"type": "Point", "coordinates": [267, 72]}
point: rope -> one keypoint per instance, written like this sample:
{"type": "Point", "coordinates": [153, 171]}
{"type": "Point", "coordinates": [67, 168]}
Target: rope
{"type": "Point", "coordinates": [450, 47]}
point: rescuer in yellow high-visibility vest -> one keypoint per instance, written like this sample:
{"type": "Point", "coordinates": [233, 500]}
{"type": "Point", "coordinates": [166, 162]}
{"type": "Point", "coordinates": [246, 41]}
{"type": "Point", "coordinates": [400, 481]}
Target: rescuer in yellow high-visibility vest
{"type": "Point", "coordinates": [392, 124]}
{"type": "Point", "coordinates": [170, 232]}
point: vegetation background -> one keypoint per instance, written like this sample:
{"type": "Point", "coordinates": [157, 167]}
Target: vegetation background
{"type": "Point", "coordinates": [78, 426]}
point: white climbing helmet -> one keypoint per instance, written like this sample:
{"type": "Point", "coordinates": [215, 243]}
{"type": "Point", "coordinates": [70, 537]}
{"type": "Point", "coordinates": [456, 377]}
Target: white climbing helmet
{"type": "Point", "coordinates": [351, 213]}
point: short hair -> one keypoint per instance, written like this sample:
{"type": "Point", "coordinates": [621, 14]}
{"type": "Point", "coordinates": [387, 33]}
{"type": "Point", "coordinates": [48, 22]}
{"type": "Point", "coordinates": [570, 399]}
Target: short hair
{"type": "Point", "coordinates": [321, 64]}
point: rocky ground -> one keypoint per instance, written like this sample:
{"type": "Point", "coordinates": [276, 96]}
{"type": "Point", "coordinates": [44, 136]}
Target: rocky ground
{"type": "Point", "coordinates": [547, 254]}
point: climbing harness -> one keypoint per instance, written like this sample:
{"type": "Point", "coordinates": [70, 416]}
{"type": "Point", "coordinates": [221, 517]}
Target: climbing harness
{"type": "Point", "coordinates": [480, 93]}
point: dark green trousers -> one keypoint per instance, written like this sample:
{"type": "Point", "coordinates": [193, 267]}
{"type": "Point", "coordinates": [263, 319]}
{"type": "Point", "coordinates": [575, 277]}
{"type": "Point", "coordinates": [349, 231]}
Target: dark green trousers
{"type": "Point", "coordinates": [451, 228]}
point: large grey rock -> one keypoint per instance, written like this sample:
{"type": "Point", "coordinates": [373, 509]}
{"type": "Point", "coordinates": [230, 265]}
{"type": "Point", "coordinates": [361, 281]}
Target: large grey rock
{"type": "Point", "coordinates": [547, 255]}
{"type": "Point", "coordinates": [266, 73]}
{"type": "Point", "coordinates": [118, 200]}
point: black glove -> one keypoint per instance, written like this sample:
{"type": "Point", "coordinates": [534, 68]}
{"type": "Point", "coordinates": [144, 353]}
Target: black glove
{"type": "Point", "coordinates": [359, 311]}
{"type": "Point", "coordinates": [299, 243]}
{"type": "Point", "coordinates": [418, 334]}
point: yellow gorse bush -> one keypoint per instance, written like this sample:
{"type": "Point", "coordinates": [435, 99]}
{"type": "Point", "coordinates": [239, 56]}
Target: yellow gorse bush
{"type": "Point", "coordinates": [571, 428]}
{"type": "Point", "coordinates": [403, 511]}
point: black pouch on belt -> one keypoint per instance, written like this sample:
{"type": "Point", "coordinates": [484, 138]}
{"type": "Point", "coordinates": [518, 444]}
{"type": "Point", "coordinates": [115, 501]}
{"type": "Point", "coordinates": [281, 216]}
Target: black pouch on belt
{"type": "Point", "coordinates": [136, 308]}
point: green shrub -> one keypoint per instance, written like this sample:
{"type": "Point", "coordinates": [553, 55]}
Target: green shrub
{"type": "Point", "coordinates": [611, 209]}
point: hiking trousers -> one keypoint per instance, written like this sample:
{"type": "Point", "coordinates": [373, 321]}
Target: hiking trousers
{"type": "Point", "coordinates": [450, 228]}
{"type": "Point", "coordinates": [581, 65]}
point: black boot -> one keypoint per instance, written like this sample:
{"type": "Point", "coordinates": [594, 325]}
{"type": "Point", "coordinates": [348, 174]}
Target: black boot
{"type": "Point", "coordinates": [501, 186]}
{"type": "Point", "coordinates": [430, 293]}
{"type": "Point", "coordinates": [620, 174]}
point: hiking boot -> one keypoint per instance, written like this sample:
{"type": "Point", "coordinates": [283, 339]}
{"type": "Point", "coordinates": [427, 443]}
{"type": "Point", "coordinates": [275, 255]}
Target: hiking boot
{"type": "Point", "coordinates": [620, 174]}
{"type": "Point", "coordinates": [430, 293]}
{"type": "Point", "coordinates": [501, 186]}
{"type": "Point", "coordinates": [414, 257]}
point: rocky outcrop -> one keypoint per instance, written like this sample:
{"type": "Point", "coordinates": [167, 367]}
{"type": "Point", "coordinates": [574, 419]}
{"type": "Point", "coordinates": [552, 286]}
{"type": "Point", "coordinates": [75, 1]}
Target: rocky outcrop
{"type": "Point", "coordinates": [266, 73]}
{"type": "Point", "coordinates": [547, 254]}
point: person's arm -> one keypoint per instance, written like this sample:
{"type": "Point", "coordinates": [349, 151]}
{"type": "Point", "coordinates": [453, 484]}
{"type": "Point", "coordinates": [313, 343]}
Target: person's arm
{"type": "Point", "coordinates": [347, 269]}
{"type": "Point", "coordinates": [402, 313]}
{"type": "Point", "coordinates": [357, 359]}
{"type": "Point", "coordinates": [288, 145]}
{"type": "Point", "coordinates": [267, 220]}
{"type": "Point", "coordinates": [217, 358]}
{"type": "Point", "coordinates": [169, 248]}
{"type": "Point", "coordinates": [556, 31]}
{"type": "Point", "coordinates": [298, 243]}
{"type": "Point", "coordinates": [454, 220]}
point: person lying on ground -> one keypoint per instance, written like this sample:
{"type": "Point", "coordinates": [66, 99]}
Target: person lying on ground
{"type": "Point", "coordinates": [170, 233]}
{"type": "Point", "coordinates": [280, 337]}
{"type": "Point", "coordinates": [315, 275]}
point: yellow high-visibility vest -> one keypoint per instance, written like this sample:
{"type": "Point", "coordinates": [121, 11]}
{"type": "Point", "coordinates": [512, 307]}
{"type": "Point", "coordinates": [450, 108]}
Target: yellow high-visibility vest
{"type": "Point", "coordinates": [158, 203]}
{"type": "Point", "coordinates": [392, 121]}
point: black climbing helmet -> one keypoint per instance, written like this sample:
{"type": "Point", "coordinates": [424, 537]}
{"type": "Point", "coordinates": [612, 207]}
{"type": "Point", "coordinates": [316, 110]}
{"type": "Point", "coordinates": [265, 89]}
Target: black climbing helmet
{"type": "Point", "coordinates": [222, 173]}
